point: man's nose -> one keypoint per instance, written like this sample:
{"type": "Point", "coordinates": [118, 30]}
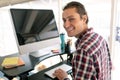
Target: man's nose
{"type": "Point", "coordinates": [66, 24]}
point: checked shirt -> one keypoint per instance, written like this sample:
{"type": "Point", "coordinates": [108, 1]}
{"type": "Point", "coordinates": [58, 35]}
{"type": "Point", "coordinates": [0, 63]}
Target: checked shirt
{"type": "Point", "coordinates": [92, 58]}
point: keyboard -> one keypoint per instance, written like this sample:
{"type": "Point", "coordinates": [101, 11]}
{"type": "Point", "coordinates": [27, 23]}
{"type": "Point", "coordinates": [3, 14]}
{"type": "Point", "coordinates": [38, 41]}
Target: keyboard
{"type": "Point", "coordinates": [65, 67]}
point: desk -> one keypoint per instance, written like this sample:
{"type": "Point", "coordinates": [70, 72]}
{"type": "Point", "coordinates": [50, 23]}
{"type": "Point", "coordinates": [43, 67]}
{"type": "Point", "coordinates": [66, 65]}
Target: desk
{"type": "Point", "coordinates": [30, 63]}
{"type": "Point", "coordinates": [41, 76]}
{"type": "Point", "coordinates": [38, 59]}
{"type": "Point", "coordinates": [35, 56]}
{"type": "Point", "coordinates": [18, 71]}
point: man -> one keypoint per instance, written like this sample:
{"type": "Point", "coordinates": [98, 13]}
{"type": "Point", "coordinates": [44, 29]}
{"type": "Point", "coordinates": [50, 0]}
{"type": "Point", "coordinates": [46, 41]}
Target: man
{"type": "Point", "coordinates": [92, 60]}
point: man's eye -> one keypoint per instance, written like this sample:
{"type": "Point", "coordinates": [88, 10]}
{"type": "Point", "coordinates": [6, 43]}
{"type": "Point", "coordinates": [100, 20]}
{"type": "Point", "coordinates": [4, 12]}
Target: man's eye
{"type": "Point", "coordinates": [71, 19]}
{"type": "Point", "coordinates": [64, 20]}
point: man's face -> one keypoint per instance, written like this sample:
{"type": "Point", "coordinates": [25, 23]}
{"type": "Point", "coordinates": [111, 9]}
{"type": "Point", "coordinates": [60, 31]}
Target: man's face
{"type": "Point", "coordinates": [73, 24]}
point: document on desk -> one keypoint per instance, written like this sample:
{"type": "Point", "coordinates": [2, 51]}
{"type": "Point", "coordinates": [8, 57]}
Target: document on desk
{"type": "Point", "coordinates": [65, 67]}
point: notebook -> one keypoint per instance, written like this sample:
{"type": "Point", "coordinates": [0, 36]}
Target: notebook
{"type": "Point", "coordinates": [11, 62]}
{"type": "Point", "coordinates": [65, 67]}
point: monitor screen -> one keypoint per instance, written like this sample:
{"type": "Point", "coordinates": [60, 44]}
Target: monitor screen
{"type": "Point", "coordinates": [34, 25]}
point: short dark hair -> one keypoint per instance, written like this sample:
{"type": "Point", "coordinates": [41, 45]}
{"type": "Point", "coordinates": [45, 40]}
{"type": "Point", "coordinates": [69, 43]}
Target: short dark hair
{"type": "Point", "coordinates": [79, 8]}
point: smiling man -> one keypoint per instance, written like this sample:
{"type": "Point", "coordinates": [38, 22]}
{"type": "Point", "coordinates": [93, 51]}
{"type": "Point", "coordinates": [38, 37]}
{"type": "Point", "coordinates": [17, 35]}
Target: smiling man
{"type": "Point", "coordinates": [92, 58]}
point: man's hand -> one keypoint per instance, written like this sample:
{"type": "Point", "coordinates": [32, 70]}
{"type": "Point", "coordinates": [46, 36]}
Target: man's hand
{"type": "Point", "coordinates": [60, 74]}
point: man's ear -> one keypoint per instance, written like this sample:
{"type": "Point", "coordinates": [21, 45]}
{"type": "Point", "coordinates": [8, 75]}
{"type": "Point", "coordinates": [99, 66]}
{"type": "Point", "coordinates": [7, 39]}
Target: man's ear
{"type": "Point", "coordinates": [84, 18]}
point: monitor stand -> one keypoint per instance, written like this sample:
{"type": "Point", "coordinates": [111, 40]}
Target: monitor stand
{"type": "Point", "coordinates": [38, 54]}
{"type": "Point", "coordinates": [43, 52]}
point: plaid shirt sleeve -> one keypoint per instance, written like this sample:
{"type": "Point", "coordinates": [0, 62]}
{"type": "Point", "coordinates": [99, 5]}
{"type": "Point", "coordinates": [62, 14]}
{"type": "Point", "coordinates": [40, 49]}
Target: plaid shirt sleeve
{"type": "Point", "coordinates": [82, 66]}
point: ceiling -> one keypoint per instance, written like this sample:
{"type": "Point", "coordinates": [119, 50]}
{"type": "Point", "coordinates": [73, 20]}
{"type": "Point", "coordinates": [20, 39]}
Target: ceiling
{"type": "Point", "coordinates": [11, 2]}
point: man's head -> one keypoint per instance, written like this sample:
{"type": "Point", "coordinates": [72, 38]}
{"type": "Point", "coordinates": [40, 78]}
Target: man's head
{"type": "Point", "coordinates": [75, 19]}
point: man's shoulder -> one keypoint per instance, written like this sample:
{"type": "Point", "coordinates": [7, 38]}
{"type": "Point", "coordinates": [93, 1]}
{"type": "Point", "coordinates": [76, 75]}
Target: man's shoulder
{"type": "Point", "coordinates": [91, 42]}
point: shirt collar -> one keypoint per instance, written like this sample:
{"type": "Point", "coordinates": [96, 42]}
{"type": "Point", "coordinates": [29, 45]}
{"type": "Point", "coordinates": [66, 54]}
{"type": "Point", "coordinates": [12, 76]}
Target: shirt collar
{"type": "Point", "coordinates": [88, 31]}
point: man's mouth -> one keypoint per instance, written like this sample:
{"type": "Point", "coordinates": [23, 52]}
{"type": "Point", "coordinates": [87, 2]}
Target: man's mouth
{"type": "Point", "coordinates": [69, 29]}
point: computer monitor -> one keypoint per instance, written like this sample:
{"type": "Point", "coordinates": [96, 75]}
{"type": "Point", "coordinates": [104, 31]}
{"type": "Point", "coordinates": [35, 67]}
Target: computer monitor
{"type": "Point", "coordinates": [34, 29]}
